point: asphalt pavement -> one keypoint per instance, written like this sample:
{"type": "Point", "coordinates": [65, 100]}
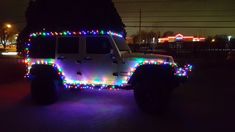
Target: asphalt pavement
{"type": "Point", "coordinates": [204, 103]}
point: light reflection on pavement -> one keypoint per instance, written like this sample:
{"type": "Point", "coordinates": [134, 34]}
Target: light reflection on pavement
{"type": "Point", "coordinates": [79, 111]}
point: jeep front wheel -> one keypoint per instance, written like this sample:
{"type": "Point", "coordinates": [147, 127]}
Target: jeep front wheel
{"type": "Point", "coordinates": [153, 86]}
{"type": "Point", "coordinates": [44, 91]}
{"type": "Point", "coordinates": [151, 97]}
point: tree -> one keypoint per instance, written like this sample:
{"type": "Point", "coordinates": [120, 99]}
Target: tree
{"type": "Point", "coordinates": [220, 41]}
{"type": "Point", "coordinates": [146, 36]}
{"type": "Point", "coordinates": [55, 15]}
{"type": "Point", "coordinates": [168, 33]}
{"type": "Point", "coordinates": [5, 34]}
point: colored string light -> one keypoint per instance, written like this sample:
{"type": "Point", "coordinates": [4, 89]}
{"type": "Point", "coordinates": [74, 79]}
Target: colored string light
{"type": "Point", "coordinates": [92, 84]}
{"type": "Point", "coordinates": [69, 33]}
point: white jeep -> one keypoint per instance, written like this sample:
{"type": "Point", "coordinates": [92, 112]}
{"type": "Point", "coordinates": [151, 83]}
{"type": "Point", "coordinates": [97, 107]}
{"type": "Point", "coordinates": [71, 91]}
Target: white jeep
{"type": "Point", "coordinates": [99, 60]}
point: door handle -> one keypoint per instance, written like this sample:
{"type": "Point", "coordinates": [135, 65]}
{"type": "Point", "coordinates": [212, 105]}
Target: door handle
{"type": "Point", "coordinates": [79, 61]}
{"type": "Point", "coordinates": [79, 73]}
{"type": "Point", "coordinates": [88, 58]}
{"type": "Point", "coordinates": [60, 57]}
{"type": "Point", "coordinates": [115, 74]}
{"type": "Point", "coordinates": [115, 61]}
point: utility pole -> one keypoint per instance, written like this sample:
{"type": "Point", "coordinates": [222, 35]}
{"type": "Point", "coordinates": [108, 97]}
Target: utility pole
{"type": "Point", "coordinates": [140, 24]}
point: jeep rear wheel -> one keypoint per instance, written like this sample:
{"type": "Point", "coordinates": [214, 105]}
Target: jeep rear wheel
{"type": "Point", "coordinates": [44, 91]}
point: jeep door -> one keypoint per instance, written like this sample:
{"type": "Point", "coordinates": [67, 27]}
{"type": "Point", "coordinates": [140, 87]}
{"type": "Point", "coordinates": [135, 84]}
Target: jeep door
{"type": "Point", "coordinates": [99, 64]}
{"type": "Point", "coordinates": [68, 56]}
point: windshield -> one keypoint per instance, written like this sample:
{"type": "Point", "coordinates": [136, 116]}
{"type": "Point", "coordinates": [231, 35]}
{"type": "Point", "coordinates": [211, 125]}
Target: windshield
{"type": "Point", "coordinates": [121, 43]}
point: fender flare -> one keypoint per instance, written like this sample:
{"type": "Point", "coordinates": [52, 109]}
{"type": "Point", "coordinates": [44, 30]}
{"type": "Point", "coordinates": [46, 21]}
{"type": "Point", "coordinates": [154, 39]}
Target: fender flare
{"type": "Point", "coordinates": [149, 71]}
{"type": "Point", "coordinates": [45, 71]}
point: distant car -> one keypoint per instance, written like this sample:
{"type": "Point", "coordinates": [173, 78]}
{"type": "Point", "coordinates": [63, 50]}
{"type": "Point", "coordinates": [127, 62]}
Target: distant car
{"type": "Point", "coordinates": [231, 56]}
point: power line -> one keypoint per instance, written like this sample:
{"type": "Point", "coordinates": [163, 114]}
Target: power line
{"type": "Point", "coordinates": [177, 10]}
{"type": "Point", "coordinates": [129, 18]}
{"type": "Point", "coordinates": [139, 1]}
{"type": "Point", "coordinates": [178, 21]}
{"type": "Point", "coordinates": [132, 26]}
{"type": "Point", "coordinates": [147, 1]}
{"type": "Point", "coordinates": [129, 15]}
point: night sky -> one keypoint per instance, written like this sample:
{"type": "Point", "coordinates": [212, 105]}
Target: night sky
{"type": "Point", "coordinates": [12, 11]}
{"type": "Point", "coordinates": [190, 17]}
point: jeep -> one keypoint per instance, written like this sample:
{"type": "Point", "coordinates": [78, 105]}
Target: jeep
{"type": "Point", "coordinates": [99, 60]}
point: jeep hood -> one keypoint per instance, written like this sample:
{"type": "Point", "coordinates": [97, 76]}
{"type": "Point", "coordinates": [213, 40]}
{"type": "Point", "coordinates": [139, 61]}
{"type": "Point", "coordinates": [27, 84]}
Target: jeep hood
{"type": "Point", "coordinates": [147, 56]}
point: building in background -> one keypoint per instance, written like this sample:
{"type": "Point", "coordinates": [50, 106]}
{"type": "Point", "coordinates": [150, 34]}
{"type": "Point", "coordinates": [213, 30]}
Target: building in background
{"type": "Point", "coordinates": [181, 38]}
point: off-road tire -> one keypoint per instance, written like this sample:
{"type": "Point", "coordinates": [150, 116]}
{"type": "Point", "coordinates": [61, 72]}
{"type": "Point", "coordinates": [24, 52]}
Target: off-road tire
{"type": "Point", "coordinates": [153, 90]}
{"type": "Point", "coordinates": [44, 91]}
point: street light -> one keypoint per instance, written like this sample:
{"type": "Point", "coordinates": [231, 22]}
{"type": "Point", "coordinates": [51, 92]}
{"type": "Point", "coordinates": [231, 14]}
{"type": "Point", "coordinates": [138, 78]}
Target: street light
{"type": "Point", "coordinates": [8, 25]}
{"type": "Point", "coordinates": [229, 38]}
{"type": "Point", "coordinates": [5, 32]}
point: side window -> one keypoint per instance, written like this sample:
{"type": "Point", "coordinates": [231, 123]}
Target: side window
{"type": "Point", "coordinates": [68, 45]}
{"type": "Point", "coordinates": [43, 47]}
{"type": "Point", "coordinates": [98, 45]}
